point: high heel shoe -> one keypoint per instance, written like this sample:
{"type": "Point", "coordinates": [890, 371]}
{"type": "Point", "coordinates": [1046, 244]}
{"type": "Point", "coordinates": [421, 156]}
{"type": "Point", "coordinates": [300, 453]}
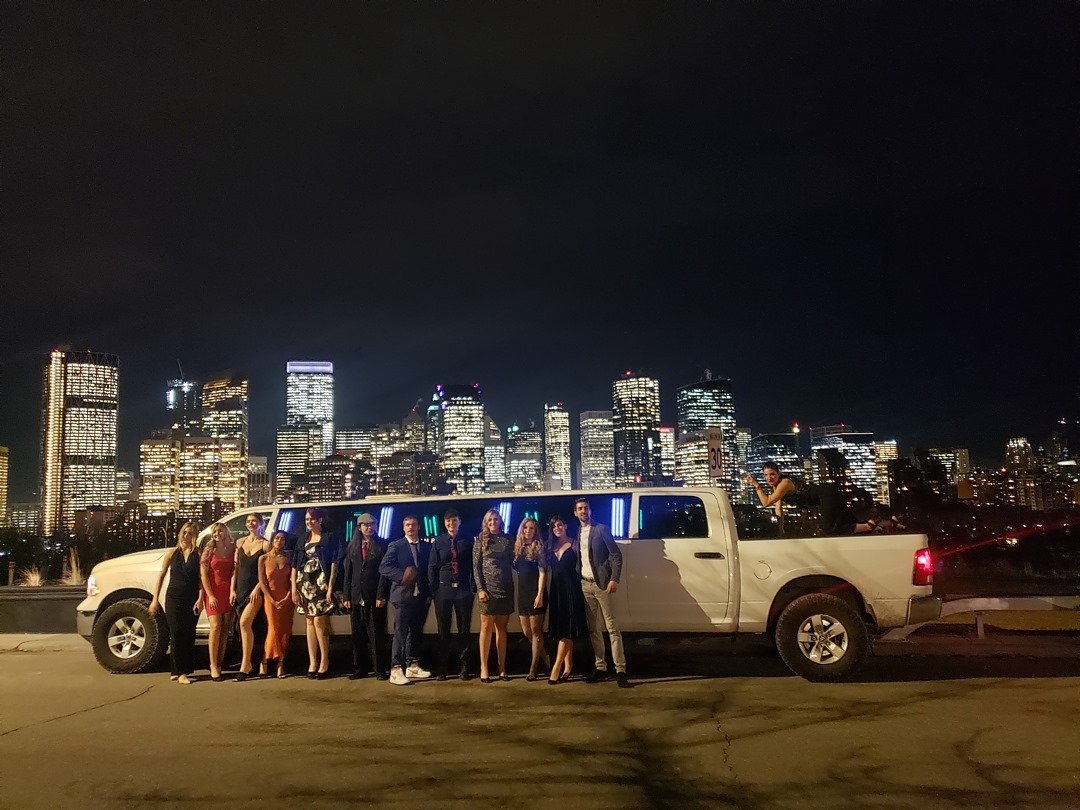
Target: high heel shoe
{"type": "Point", "coordinates": [503, 676]}
{"type": "Point", "coordinates": [551, 682]}
{"type": "Point", "coordinates": [484, 680]}
{"type": "Point", "coordinates": [530, 677]}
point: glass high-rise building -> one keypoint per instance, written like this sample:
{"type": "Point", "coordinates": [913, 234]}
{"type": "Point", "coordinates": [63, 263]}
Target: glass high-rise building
{"type": "Point", "coordinates": [692, 460]}
{"type": "Point", "coordinates": [296, 446]}
{"type": "Point", "coordinates": [79, 418]}
{"type": "Point", "coordinates": [462, 429]}
{"type": "Point", "coordinates": [309, 397]}
{"type": "Point", "coordinates": [159, 469]}
{"type": "Point", "coordinates": [412, 431]}
{"type": "Point", "coordinates": [183, 402]}
{"type": "Point", "coordinates": [884, 452]}
{"type": "Point", "coordinates": [708, 405]}
{"type": "Point", "coordinates": [355, 440]}
{"type": "Point", "coordinates": [1019, 456]}
{"type": "Point", "coordinates": [780, 448]}
{"type": "Point", "coordinates": [857, 450]}
{"type": "Point", "coordinates": [635, 418]}
{"type": "Point", "coordinates": [4, 456]}
{"type": "Point", "coordinates": [494, 457]}
{"type": "Point", "coordinates": [259, 483]}
{"type": "Point", "coordinates": [955, 460]}
{"type": "Point", "coordinates": [557, 442]}
{"type": "Point", "coordinates": [597, 463]}
{"type": "Point", "coordinates": [225, 406]}
{"type": "Point", "coordinates": [667, 452]}
{"type": "Point", "coordinates": [524, 458]}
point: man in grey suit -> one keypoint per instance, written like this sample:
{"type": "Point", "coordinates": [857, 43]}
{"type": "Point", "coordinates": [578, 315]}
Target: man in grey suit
{"type": "Point", "coordinates": [600, 561]}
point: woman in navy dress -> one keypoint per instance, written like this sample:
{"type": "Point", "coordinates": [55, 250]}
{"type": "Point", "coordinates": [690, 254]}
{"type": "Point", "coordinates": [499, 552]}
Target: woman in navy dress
{"type": "Point", "coordinates": [531, 564]}
{"type": "Point", "coordinates": [567, 619]}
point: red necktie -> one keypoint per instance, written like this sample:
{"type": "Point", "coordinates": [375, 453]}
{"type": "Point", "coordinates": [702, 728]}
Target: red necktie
{"type": "Point", "coordinates": [363, 551]}
{"type": "Point", "coordinates": [453, 559]}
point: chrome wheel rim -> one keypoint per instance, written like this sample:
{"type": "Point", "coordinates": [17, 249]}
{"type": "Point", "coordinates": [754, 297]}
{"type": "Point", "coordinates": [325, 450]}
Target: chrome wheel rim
{"type": "Point", "coordinates": [127, 637]}
{"type": "Point", "coordinates": [823, 639]}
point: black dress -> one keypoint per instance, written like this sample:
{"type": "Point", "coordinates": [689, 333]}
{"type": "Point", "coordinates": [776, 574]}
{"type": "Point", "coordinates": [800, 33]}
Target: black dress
{"type": "Point", "coordinates": [528, 584]}
{"type": "Point", "coordinates": [247, 577]}
{"type": "Point", "coordinates": [567, 617]}
{"type": "Point", "coordinates": [180, 599]}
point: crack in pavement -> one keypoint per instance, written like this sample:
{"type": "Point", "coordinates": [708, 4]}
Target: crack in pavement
{"type": "Point", "coordinates": [727, 746]}
{"type": "Point", "coordinates": [80, 711]}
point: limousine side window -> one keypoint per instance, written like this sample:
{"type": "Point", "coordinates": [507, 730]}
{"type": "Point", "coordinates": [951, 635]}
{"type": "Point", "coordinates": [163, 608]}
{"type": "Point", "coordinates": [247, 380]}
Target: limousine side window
{"type": "Point", "coordinates": [665, 516]}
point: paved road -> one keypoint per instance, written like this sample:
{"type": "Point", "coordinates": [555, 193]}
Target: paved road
{"type": "Point", "coordinates": [703, 727]}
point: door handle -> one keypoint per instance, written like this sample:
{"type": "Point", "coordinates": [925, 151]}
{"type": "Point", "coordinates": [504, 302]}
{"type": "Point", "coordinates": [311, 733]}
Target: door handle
{"type": "Point", "coordinates": [708, 555]}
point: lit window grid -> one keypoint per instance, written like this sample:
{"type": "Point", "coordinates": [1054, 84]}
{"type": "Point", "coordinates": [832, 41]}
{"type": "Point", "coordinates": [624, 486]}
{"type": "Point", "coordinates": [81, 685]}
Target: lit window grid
{"type": "Point", "coordinates": [557, 443]}
{"type": "Point", "coordinates": [309, 397]}
{"type": "Point", "coordinates": [597, 450]}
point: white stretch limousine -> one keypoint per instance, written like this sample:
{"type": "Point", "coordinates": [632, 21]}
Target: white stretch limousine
{"type": "Point", "coordinates": [685, 570]}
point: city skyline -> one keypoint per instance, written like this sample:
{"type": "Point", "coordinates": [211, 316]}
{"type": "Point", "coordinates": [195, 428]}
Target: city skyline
{"type": "Point", "coordinates": [872, 225]}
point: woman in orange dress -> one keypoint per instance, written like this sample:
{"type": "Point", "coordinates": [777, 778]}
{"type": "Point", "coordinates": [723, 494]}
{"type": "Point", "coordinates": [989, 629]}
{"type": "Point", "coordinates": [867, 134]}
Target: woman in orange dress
{"type": "Point", "coordinates": [275, 575]}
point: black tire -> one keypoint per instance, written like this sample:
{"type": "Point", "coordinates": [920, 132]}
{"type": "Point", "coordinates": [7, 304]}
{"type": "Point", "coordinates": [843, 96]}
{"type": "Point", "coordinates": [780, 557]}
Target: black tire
{"type": "Point", "coordinates": [127, 639]}
{"type": "Point", "coordinates": [822, 638]}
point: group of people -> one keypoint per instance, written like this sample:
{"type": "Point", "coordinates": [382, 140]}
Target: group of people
{"type": "Point", "coordinates": [570, 581]}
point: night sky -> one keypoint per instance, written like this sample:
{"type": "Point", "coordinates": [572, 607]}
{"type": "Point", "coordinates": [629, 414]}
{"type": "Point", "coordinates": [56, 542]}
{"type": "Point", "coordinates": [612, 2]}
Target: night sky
{"type": "Point", "coordinates": [866, 217]}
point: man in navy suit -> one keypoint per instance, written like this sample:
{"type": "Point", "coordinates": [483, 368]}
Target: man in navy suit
{"type": "Point", "coordinates": [450, 575]}
{"type": "Point", "coordinates": [600, 566]}
{"type": "Point", "coordinates": [405, 565]}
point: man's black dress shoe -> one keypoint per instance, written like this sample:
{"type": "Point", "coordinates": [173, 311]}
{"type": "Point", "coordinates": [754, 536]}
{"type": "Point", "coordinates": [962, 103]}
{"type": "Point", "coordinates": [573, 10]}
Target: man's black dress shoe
{"type": "Point", "coordinates": [596, 676]}
{"type": "Point", "coordinates": [622, 680]}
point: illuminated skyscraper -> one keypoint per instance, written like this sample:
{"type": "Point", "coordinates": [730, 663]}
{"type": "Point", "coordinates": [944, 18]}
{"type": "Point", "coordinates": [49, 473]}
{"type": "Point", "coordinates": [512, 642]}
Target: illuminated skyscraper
{"type": "Point", "coordinates": [856, 448]}
{"type": "Point", "coordinates": [462, 434]}
{"type": "Point", "coordinates": [597, 450]}
{"type": "Point", "coordinates": [200, 462]}
{"type": "Point", "coordinates": [955, 460]}
{"type": "Point", "coordinates": [884, 452]}
{"type": "Point", "coordinates": [708, 405]}
{"type": "Point", "coordinates": [433, 421]}
{"type": "Point", "coordinates": [494, 457]}
{"type": "Point", "coordinates": [635, 417]}
{"type": "Point", "coordinates": [296, 446]}
{"type": "Point", "coordinates": [354, 440]}
{"type": "Point", "coordinates": [78, 468]}
{"type": "Point", "coordinates": [1018, 455]}
{"type": "Point", "coordinates": [667, 452]}
{"type": "Point", "coordinates": [126, 487]}
{"type": "Point", "coordinates": [260, 485]}
{"type": "Point", "coordinates": [412, 431]}
{"type": "Point", "coordinates": [309, 398]}
{"type": "Point", "coordinates": [4, 521]}
{"type": "Point", "coordinates": [183, 401]}
{"type": "Point", "coordinates": [524, 458]}
{"type": "Point", "coordinates": [557, 442]}
{"type": "Point", "coordinates": [225, 407]}
{"type": "Point", "coordinates": [776, 447]}
{"type": "Point", "coordinates": [159, 470]}
{"type": "Point", "coordinates": [692, 460]}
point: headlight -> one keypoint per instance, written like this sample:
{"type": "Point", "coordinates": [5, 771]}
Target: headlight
{"type": "Point", "coordinates": [91, 586]}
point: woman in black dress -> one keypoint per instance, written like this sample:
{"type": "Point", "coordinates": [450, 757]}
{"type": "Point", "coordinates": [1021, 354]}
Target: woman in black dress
{"type": "Point", "coordinates": [568, 620]}
{"type": "Point", "coordinates": [183, 601]}
{"type": "Point", "coordinates": [249, 551]}
{"type": "Point", "coordinates": [530, 562]}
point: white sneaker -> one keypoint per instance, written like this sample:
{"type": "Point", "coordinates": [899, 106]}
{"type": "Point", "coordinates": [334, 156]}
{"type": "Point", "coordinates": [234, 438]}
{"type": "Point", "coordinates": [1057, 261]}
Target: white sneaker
{"type": "Point", "coordinates": [397, 677]}
{"type": "Point", "coordinates": [414, 673]}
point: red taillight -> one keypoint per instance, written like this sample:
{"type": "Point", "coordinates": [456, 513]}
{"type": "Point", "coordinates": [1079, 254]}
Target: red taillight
{"type": "Point", "coordinates": [923, 572]}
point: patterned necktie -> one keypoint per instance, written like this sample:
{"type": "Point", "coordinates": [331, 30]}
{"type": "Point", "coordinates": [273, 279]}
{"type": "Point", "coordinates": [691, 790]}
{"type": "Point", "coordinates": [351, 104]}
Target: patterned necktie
{"type": "Point", "coordinates": [453, 559]}
{"type": "Point", "coordinates": [363, 551]}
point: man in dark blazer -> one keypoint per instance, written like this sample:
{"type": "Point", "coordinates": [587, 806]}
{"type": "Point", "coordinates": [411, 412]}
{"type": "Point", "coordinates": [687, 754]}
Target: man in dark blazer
{"type": "Point", "coordinates": [366, 594]}
{"type": "Point", "coordinates": [405, 565]}
{"type": "Point", "coordinates": [451, 581]}
{"type": "Point", "coordinates": [600, 566]}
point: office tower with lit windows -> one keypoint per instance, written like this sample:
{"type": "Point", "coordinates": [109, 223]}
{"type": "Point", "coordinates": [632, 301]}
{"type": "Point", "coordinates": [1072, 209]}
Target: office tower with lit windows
{"type": "Point", "coordinates": [557, 442]}
{"type": "Point", "coordinates": [183, 403]}
{"type": "Point", "coordinates": [524, 458]}
{"type": "Point", "coordinates": [225, 406]}
{"type": "Point", "coordinates": [780, 448]}
{"type": "Point", "coordinates": [296, 446]}
{"type": "Point", "coordinates": [433, 421]}
{"type": "Point", "coordinates": [1019, 456]}
{"type": "Point", "coordinates": [159, 470]}
{"type": "Point", "coordinates": [709, 405]}
{"type": "Point", "coordinates": [4, 457]}
{"type": "Point", "coordinates": [494, 457]}
{"type": "Point", "coordinates": [692, 460]}
{"type": "Point", "coordinates": [955, 460]}
{"type": "Point", "coordinates": [127, 488]}
{"type": "Point", "coordinates": [597, 465]}
{"type": "Point", "coordinates": [462, 429]}
{"type": "Point", "coordinates": [200, 463]}
{"type": "Point", "coordinates": [667, 453]}
{"type": "Point", "coordinates": [635, 419]}
{"type": "Point", "coordinates": [260, 487]}
{"type": "Point", "coordinates": [412, 431]}
{"type": "Point", "coordinates": [232, 478]}
{"type": "Point", "coordinates": [884, 452]}
{"type": "Point", "coordinates": [79, 418]}
{"type": "Point", "coordinates": [858, 452]}
{"type": "Point", "coordinates": [309, 398]}
{"type": "Point", "coordinates": [355, 440]}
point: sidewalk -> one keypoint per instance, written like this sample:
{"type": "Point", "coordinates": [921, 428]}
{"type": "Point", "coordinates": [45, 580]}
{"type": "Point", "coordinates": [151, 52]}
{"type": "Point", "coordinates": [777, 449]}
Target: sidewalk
{"type": "Point", "coordinates": [963, 640]}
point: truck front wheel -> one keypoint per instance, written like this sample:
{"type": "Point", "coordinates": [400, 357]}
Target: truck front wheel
{"type": "Point", "coordinates": [822, 638]}
{"type": "Point", "coordinates": [126, 638]}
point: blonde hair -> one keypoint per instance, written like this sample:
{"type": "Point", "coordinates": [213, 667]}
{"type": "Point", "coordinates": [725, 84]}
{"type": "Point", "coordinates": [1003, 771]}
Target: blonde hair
{"type": "Point", "coordinates": [535, 548]}
{"type": "Point", "coordinates": [194, 526]}
{"type": "Point", "coordinates": [485, 535]}
{"type": "Point", "coordinates": [211, 543]}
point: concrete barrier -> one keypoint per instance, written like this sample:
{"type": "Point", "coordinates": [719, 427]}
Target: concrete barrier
{"type": "Point", "coordinates": [44, 609]}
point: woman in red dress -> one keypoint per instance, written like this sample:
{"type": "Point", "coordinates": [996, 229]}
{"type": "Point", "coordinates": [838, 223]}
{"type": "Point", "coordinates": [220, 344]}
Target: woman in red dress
{"type": "Point", "coordinates": [218, 560]}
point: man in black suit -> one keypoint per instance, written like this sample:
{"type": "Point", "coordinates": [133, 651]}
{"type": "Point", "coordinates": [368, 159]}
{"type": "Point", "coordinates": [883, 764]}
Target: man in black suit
{"type": "Point", "coordinates": [451, 581]}
{"type": "Point", "coordinates": [404, 564]}
{"type": "Point", "coordinates": [366, 592]}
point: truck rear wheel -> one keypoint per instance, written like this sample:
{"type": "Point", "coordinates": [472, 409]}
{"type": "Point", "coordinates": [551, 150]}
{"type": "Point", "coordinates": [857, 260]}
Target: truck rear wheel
{"type": "Point", "coordinates": [822, 638]}
{"type": "Point", "coordinates": [127, 639]}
